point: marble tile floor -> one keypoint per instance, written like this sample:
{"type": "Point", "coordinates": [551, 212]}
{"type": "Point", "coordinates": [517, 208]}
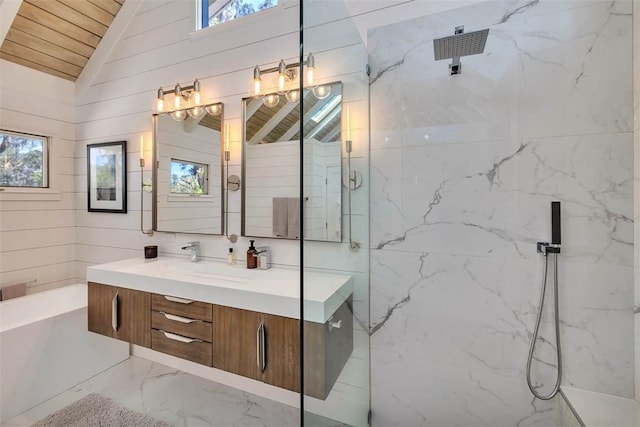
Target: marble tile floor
{"type": "Point", "coordinates": [175, 397]}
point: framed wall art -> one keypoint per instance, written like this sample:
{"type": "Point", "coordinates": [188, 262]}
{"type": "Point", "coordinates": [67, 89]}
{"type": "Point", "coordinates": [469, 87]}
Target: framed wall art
{"type": "Point", "coordinates": [107, 177]}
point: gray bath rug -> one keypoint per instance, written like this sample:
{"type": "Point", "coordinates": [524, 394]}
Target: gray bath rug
{"type": "Point", "coordinates": [95, 410]}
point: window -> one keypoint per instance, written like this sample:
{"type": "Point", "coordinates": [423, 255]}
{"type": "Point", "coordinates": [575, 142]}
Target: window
{"type": "Point", "coordinates": [189, 177]}
{"type": "Point", "coordinates": [24, 160]}
{"type": "Point", "coordinates": [213, 12]}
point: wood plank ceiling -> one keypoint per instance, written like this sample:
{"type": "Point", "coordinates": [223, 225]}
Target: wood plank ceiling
{"type": "Point", "coordinates": [58, 36]}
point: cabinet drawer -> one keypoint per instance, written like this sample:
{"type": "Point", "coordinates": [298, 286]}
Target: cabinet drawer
{"type": "Point", "coordinates": [193, 328]}
{"type": "Point", "coordinates": [186, 308]}
{"type": "Point", "coordinates": [196, 351]}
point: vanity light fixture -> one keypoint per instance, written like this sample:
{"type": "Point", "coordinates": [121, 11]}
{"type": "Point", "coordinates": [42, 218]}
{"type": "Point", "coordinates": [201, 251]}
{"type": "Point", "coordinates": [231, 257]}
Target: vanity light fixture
{"type": "Point", "coordinates": [145, 186]}
{"type": "Point", "coordinates": [186, 101]}
{"type": "Point", "coordinates": [286, 73]}
{"type": "Point", "coordinates": [233, 182]}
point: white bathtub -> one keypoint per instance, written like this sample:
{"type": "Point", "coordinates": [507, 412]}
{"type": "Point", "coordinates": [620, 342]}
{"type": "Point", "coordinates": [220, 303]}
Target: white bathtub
{"type": "Point", "coordinates": [45, 347]}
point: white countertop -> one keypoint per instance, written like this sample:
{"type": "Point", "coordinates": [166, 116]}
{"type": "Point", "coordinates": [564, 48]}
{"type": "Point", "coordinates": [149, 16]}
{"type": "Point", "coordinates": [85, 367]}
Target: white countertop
{"type": "Point", "coordinates": [274, 291]}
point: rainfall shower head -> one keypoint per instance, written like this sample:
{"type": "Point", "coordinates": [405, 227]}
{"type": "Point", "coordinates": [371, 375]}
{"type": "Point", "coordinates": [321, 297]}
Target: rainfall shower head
{"type": "Point", "coordinates": [459, 44]}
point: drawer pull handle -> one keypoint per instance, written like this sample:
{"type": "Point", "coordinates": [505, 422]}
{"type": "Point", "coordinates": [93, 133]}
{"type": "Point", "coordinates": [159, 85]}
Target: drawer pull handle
{"type": "Point", "coordinates": [114, 313]}
{"type": "Point", "coordinates": [180, 338]}
{"type": "Point", "coordinates": [179, 318]}
{"type": "Point", "coordinates": [178, 300]}
{"type": "Point", "coordinates": [335, 325]}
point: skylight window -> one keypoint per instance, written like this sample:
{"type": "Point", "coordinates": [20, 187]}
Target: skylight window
{"type": "Point", "coordinates": [213, 12]}
{"type": "Point", "coordinates": [326, 109]}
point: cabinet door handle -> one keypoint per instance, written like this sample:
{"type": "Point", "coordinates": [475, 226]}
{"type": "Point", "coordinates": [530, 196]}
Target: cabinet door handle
{"type": "Point", "coordinates": [176, 299]}
{"type": "Point", "coordinates": [260, 344]}
{"type": "Point", "coordinates": [114, 312]}
{"type": "Point", "coordinates": [179, 318]}
{"type": "Point", "coordinates": [180, 338]}
{"type": "Point", "coordinates": [334, 325]}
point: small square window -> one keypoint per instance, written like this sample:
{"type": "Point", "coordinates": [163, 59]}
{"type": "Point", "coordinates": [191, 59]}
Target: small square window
{"type": "Point", "coordinates": [213, 12]}
{"type": "Point", "coordinates": [189, 177]}
{"type": "Point", "coordinates": [24, 160]}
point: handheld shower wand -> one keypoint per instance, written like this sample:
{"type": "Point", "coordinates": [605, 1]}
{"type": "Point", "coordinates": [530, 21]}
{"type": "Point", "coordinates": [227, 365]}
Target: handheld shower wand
{"type": "Point", "coordinates": [546, 248]}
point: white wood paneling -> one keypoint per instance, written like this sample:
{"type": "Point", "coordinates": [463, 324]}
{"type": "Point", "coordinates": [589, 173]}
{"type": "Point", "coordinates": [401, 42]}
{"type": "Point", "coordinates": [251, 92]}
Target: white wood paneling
{"type": "Point", "coordinates": [37, 233]}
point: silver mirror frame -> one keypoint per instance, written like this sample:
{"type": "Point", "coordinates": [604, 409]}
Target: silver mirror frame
{"type": "Point", "coordinates": [155, 175]}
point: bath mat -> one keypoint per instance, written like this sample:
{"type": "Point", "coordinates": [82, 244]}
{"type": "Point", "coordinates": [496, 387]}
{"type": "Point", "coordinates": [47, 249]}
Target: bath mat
{"type": "Point", "coordinates": [96, 410]}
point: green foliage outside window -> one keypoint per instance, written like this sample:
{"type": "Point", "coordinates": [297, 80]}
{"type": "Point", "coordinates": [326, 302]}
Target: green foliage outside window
{"type": "Point", "coordinates": [188, 177]}
{"type": "Point", "coordinates": [237, 9]}
{"type": "Point", "coordinates": [23, 160]}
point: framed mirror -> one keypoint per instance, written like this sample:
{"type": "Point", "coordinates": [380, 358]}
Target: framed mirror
{"type": "Point", "coordinates": [271, 165]}
{"type": "Point", "coordinates": [188, 169]}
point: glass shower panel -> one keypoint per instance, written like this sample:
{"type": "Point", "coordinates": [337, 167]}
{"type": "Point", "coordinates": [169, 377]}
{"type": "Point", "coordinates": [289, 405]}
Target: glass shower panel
{"type": "Point", "coordinates": [335, 241]}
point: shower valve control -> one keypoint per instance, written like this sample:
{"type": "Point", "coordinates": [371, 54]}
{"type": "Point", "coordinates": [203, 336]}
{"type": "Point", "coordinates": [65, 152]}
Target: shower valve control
{"type": "Point", "coordinates": [547, 248]}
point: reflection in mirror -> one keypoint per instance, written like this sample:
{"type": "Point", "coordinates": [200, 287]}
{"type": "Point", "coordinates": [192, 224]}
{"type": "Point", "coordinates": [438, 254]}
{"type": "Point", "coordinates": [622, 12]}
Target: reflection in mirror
{"type": "Point", "coordinates": [271, 165]}
{"type": "Point", "coordinates": [188, 172]}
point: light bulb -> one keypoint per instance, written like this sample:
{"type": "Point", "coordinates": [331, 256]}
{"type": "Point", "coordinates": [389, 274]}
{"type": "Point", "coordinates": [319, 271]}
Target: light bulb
{"type": "Point", "coordinates": [178, 115]}
{"type": "Point", "coordinates": [196, 112]}
{"type": "Point", "coordinates": [160, 101]}
{"type": "Point", "coordinates": [310, 75]}
{"type": "Point", "coordinates": [256, 81]}
{"type": "Point", "coordinates": [196, 92]}
{"type": "Point", "coordinates": [311, 66]}
{"type": "Point", "coordinates": [348, 124]}
{"type": "Point", "coordinates": [271, 100]}
{"type": "Point", "coordinates": [322, 91]}
{"type": "Point", "coordinates": [282, 68]}
{"type": "Point", "coordinates": [178, 95]}
{"type": "Point", "coordinates": [214, 109]}
{"type": "Point", "coordinates": [227, 137]}
{"type": "Point", "coordinates": [292, 95]}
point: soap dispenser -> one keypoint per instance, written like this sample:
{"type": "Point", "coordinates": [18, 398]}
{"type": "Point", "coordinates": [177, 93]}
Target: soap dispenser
{"type": "Point", "coordinates": [252, 259]}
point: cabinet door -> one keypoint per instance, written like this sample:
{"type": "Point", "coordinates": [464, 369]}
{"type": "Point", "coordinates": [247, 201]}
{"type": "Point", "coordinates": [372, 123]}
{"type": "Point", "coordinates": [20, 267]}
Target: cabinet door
{"type": "Point", "coordinates": [136, 316]}
{"type": "Point", "coordinates": [235, 346]}
{"type": "Point", "coordinates": [120, 313]}
{"type": "Point", "coordinates": [102, 309]}
{"type": "Point", "coordinates": [282, 352]}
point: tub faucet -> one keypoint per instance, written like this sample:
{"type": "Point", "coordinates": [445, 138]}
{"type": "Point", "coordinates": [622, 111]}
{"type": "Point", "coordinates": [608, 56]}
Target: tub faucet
{"type": "Point", "coordinates": [195, 250]}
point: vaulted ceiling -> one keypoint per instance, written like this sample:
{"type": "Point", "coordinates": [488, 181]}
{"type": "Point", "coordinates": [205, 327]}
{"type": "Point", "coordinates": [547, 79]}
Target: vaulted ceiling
{"type": "Point", "coordinates": [58, 36]}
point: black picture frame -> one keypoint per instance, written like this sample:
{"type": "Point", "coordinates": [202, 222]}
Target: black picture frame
{"type": "Point", "coordinates": [107, 177]}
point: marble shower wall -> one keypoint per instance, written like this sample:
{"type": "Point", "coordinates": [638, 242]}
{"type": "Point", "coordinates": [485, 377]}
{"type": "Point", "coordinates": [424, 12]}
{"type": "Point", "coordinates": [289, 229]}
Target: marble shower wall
{"type": "Point", "coordinates": [463, 169]}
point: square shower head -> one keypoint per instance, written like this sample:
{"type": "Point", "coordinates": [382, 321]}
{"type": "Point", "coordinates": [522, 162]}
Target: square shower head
{"type": "Point", "coordinates": [458, 45]}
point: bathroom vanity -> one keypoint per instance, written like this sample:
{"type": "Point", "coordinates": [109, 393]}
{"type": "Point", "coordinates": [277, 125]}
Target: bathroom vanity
{"type": "Point", "coordinates": [245, 322]}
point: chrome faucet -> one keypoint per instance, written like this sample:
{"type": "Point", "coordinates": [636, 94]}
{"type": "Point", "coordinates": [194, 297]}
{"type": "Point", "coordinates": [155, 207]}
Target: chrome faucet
{"type": "Point", "coordinates": [195, 250]}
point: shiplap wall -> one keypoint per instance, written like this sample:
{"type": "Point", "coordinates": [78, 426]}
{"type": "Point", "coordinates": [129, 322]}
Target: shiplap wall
{"type": "Point", "coordinates": [37, 234]}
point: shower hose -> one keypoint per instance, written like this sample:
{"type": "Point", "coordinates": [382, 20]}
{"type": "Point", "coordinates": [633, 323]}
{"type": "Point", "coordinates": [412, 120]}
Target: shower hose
{"type": "Point", "coordinates": [557, 328]}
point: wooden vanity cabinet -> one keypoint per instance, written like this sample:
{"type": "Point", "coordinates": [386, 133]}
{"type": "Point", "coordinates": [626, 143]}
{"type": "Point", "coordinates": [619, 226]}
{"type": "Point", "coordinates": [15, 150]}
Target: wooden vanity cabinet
{"type": "Point", "coordinates": [266, 347]}
{"type": "Point", "coordinates": [327, 348]}
{"type": "Point", "coordinates": [235, 344]}
{"type": "Point", "coordinates": [119, 313]}
{"type": "Point", "coordinates": [182, 328]}
{"type": "Point", "coordinates": [282, 348]}
{"type": "Point", "coordinates": [260, 346]}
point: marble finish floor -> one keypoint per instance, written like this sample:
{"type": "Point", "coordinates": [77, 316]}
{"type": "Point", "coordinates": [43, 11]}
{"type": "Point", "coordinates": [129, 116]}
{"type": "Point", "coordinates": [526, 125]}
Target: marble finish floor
{"type": "Point", "coordinates": [175, 397]}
